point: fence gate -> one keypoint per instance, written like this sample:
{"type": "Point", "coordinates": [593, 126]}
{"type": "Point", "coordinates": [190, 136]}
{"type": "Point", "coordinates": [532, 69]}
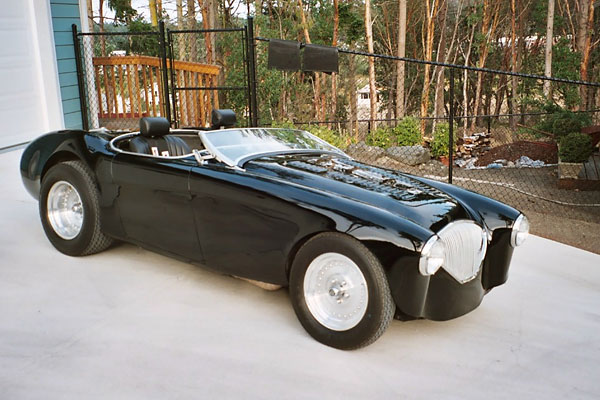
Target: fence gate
{"type": "Point", "coordinates": [176, 74]}
{"type": "Point", "coordinates": [199, 82]}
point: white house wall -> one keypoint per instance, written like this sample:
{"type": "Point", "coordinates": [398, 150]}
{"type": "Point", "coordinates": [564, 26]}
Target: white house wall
{"type": "Point", "coordinates": [30, 102]}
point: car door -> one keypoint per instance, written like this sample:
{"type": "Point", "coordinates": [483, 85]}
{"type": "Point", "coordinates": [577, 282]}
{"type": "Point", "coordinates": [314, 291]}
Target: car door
{"type": "Point", "coordinates": [154, 202]}
{"type": "Point", "coordinates": [243, 230]}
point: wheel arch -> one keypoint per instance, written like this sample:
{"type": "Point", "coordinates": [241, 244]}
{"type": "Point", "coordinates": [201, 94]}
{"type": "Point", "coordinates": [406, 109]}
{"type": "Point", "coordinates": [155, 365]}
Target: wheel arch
{"type": "Point", "coordinates": [57, 158]}
{"type": "Point", "coordinates": [387, 253]}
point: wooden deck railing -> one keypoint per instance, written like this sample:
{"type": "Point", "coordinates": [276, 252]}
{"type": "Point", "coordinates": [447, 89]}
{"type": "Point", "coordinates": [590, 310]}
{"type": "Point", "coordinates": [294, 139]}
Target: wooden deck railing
{"type": "Point", "coordinates": [130, 87]}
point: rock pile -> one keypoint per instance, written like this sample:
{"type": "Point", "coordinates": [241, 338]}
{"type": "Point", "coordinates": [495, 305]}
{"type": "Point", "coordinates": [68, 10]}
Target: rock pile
{"type": "Point", "coordinates": [473, 146]}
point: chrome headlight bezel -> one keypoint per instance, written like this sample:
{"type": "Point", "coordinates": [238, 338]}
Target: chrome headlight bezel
{"type": "Point", "coordinates": [520, 231]}
{"type": "Point", "coordinates": [432, 256]}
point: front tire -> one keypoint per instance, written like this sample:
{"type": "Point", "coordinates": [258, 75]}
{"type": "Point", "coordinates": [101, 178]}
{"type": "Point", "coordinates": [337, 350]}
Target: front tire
{"type": "Point", "coordinates": [70, 210]}
{"type": "Point", "coordinates": [340, 292]}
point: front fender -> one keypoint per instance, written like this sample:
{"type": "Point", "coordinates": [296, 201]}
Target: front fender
{"type": "Point", "coordinates": [494, 214]}
{"type": "Point", "coordinates": [56, 146]}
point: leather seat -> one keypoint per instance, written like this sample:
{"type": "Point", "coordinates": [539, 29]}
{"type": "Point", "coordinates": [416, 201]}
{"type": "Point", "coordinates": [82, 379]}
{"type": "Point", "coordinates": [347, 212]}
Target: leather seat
{"type": "Point", "coordinates": [155, 140]}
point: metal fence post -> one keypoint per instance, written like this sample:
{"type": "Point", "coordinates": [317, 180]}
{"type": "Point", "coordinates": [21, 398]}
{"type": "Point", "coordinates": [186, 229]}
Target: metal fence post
{"type": "Point", "coordinates": [252, 73]}
{"type": "Point", "coordinates": [170, 41]}
{"type": "Point", "coordinates": [163, 56]}
{"type": "Point", "coordinates": [80, 83]}
{"type": "Point", "coordinates": [451, 126]}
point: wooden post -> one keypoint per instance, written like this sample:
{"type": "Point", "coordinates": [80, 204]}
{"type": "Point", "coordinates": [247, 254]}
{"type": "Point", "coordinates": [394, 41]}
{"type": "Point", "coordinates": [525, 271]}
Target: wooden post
{"type": "Point", "coordinates": [152, 91]}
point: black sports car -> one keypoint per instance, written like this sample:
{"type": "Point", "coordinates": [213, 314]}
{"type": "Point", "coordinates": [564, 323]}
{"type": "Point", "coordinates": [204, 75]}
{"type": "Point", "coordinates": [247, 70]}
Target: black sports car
{"type": "Point", "coordinates": [356, 244]}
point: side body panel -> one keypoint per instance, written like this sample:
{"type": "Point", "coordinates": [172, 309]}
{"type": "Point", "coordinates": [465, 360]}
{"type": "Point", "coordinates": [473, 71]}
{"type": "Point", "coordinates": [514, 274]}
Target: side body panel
{"type": "Point", "coordinates": [249, 224]}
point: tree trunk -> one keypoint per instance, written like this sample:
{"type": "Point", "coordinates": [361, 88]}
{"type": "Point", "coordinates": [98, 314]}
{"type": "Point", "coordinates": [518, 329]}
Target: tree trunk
{"type": "Point", "coordinates": [204, 9]}
{"type": "Point", "coordinates": [372, 88]}
{"type": "Point", "coordinates": [438, 72]}
{"type": "Point", "coordinates": [548, 50]}
{"type": "Point", "coordinates": [429, 28]}
{"type": "Point", "coordinates": [400, 65]}
{"type": "Point", "coordinates": [513, 64]}
{"type": "Point", "coordinates": [466, 82]}
{"type": "Point", "coordinates": [445, 52]}
{"type": "Point", "coordinates": [180, 26]}
{"type": "Point", "coordinates": [523, 16]}
{"type": "Point", "coordinates": [191, 24]}
{"type": "Point", "coordinates": [586, 23]}
{"type": "Point", "coordinates": [101, 25]}
{"type": "Point", "coordinates": [317, 87]}
{"type": "Point", "coordinates": [491, 9]}
{"type": "Point", "coordinates": [336, 27]}
{"type": "Point", "coordinates": [90, 15]}
{"type": "Point", "coordinates": [153, 13]}
{"type": "Point", "coordinates": [353, 100]}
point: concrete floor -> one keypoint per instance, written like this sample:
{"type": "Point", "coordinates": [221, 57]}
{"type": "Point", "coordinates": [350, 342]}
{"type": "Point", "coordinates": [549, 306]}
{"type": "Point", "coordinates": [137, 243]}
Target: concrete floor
{"type": "Point", "coordinates": [131, 324]}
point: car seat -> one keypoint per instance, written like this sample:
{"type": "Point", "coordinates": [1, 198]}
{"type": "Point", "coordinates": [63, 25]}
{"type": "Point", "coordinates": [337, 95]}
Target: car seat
{"type": "Point", "coordinates": [154, 139]}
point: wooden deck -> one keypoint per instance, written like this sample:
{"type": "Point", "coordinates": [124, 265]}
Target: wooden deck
{"type": "Point", "coordinates": [131, 87]}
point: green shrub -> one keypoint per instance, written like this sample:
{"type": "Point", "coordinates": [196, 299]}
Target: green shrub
{"type": "Point", "coordinates": [563, 122]}
{"type": "Point", "coordinates": [566, 123]}
{"type": "Point", "coordinates": [328, 135]}
{"type": "Point", "coordinates": [575, 147]}
{"type": "Point", "coordinates": [322, 132]}
{"type": "Point", "coordinates": [441, 136]}
{"type": "Point", "coordinates": [408, 132]}
{"type": "Point", "coordinates": [381, 137]}
{"type": "Point", "coordinates": [287, 124]}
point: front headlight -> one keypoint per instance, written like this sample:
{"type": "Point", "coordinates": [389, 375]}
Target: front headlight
{"type": "Point", "coordinates": [432, 256]}
{"type": "Point", "coordinates": [520, 231]}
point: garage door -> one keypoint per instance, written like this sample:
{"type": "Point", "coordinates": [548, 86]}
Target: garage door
{"type": "Point", "coordinates": [29, 94]}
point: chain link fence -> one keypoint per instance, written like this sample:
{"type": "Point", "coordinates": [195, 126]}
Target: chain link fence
{"type": "Point", "coordinates": [513, 157]}
{"type": "Point", "coordinates": [181, 75]}
{"type": "Point", "coordinates": [208, 70]}
{"type": "Point", "coordinates": [509, 157]}
{"type": "Point", "coordinates": [123, 77]}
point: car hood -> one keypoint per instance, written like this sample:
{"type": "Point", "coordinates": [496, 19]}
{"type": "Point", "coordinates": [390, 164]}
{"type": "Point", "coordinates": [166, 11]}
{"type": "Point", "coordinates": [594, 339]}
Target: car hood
{"type": "Point", "coordinates": [393, 191]}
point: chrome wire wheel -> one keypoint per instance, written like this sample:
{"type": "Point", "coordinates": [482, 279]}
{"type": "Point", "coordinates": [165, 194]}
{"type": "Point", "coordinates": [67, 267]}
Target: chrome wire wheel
{"type": "Point", "coordinates": [335, 291]}
{"type": "Point", "coordinates": [65, 210]}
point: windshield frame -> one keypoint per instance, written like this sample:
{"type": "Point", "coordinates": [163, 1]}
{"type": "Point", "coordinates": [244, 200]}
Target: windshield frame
{"type": "Point", "coordinates": [240, 161]}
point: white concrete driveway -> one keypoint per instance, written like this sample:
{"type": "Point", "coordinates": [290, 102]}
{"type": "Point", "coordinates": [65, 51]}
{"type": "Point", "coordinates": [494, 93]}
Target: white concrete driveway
{"type": "Point", "coordinates": [130, 324]}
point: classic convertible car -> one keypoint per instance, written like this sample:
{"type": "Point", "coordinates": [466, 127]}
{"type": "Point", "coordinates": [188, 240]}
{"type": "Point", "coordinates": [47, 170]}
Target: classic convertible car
{"type": "Point", "coordinates": [355, 244]}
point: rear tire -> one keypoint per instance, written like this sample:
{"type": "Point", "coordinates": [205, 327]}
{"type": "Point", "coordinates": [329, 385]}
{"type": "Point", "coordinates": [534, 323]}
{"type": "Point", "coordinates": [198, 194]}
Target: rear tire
{"type": "Point", "coordinates": [340, 292]}
{"type": "Point", "coordinates": [70, 210]}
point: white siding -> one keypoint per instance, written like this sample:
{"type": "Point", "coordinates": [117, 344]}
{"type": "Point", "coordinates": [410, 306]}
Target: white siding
{"type": "Point", "coordinates": [29, 92]}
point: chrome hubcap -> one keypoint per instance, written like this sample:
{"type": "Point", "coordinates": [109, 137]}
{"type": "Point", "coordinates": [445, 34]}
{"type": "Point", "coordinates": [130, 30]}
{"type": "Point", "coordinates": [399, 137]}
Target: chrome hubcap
{"type": "Point", "coordinates": [335, 291]}
{"type": "Point", "coordinates": [64, 210]}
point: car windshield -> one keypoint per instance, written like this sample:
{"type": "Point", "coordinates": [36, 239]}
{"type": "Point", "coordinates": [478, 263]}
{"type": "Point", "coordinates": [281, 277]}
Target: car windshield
{"type": "Point", "coordinates": [236, 146]}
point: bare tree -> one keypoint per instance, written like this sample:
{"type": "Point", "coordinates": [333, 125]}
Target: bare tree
{"type": "Point", "coordinates": [585, 23]}
{"type": "Point", "coordinates": [191, 24]}
{"type": "Point", "coordinates": [204, 9]}
{"type": "Point", "coordinates": [489, 23]}
{"type": "Point", "coordinates": [467, 57]}
{"type": "Point", "coordinates": [180, 26]}
{"type": "Point", "coordinates": [400, 65]}
{"type": "Point", "coordinates": [513, 64]}
{"type": "Point", "coordinates": [353, 99]}
{"type": "Point", "coordinates": [153, 12]}
{"type": "Point", "coordinates": [444, 53]}
{"type": "Point", "coordinates": [548, 49]}
{"type": "Point", "coordinates": [372, 88]}
{"type": "Point", "coordinates": [317, 88]}
{"type": "Point", "coordinates": [336, 26]}
{"type": "Point", "coordinates": [431, 11]}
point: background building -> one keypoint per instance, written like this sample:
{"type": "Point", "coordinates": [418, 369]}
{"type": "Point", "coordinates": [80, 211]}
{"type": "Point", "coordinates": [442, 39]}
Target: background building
{"type": "Point", "coordinates": [38, 78]}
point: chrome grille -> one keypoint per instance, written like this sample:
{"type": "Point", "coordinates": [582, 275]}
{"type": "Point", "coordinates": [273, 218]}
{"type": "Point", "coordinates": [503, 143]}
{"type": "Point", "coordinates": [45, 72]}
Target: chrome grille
{"type": "Point", "coordinates": [466, 244]}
